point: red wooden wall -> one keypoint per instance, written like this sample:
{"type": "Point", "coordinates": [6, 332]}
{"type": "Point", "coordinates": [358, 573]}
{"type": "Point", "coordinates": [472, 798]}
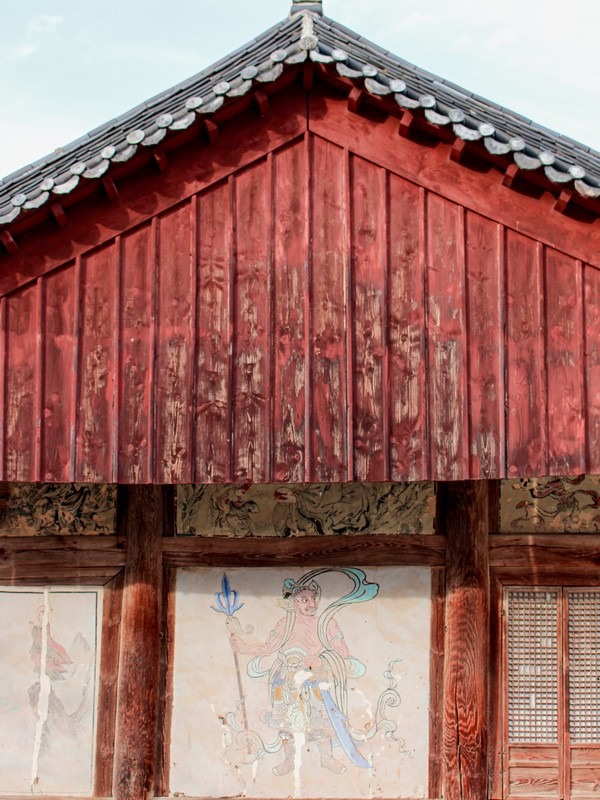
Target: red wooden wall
{"type": "Point", "coordinates": [312, 316]}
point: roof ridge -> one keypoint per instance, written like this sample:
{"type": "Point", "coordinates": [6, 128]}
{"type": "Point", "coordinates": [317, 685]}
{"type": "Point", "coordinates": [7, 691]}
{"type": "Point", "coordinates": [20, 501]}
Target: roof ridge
{"type": "Point", "coordinates": [304, 34]}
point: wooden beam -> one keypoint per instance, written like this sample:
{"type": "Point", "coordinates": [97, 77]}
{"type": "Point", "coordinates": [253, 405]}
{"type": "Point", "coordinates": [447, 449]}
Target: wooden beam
{"type": "Point", "coordinates": [59, 214]}
{"type": "Point", "coordinates": [457, 150]}
{"type": "Point", "coordinates": [107, 692]}
{"type": "Point", "coordinates": [160, 157]}
{"type": "Point", "coordinates": [9, 243]}
{"type": "Point", "coordinates": [211, 129]}
{"type": "Point", "coordinates": [140, 519]}
{"type": "Point", "coordinates": [26, 560]}
{"type": "Point", "coordinates": [368, 550]}
{"type": "Point", "coordinates": [546, 552]}
{"type": "Point", "coordinates": [406, 121]}
{"type": "Point", "coordinates": [261, 102]}
{"type": "Point", "coordinates": [463, 511]}
{"type": "Point", "coordinates": [165, 709]}
{"type": "Point", "coordinates": [510, 175]}
{"type": "Point", "coordinates": [355, 99]}
{"type": "Point", "coordinates": [563, 201]}
{"type": "Point", "coordinates": [110, 187]}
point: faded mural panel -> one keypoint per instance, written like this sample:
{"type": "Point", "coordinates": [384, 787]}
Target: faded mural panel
{"type": "Point", "coordinates": [292, 683]}
{"type": "Point", "coordinates": [553, 505]}
{"type": "Point", "coordinates": [305, 510]}
{"type": "Point", "coordinates": [49, 650]}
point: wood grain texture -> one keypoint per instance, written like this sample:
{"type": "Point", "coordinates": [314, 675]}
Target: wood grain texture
{"type": "Point", "coordinates": [140, 516]}
{"type": "Point", "coordinates": [463, 516]}
{"type": "Point", "coordinates": [97, 358]}
{"type": "Point", "coordinates": [108, 681]}
{"type": "Point", "coordinates": [193, 167]}
{"type": "Point", "coordinates": [591, 281]}
{"type": "Point", "coordinates": [329, 445]}
{"type": "Point", "coordinates": [290, 312]}
{"type": "Point", "coordinates": [368, 222]}
{"type": "Point", "coordinates": [175, 338]}
{"type": "Point", "coordinates": [447, 340]}
{"type": "Point", "coordinates": [414, 549]}
{"type": "Point", "coordinates": [565, 364]}
{"type": "Point", "coordinates": [436, 682]}
{"type": "Point", "coordinates": [552, 551]}
{"type": "Point", "coordinates": [485, 310]}
{"type": "Point", "coordinates": [72, 559]}
{"type": "Point", "coordinates": [304, 311]}
{"type": "Point", "coordinates": [432, 168]}
{"type": "Point", "coordinates": [137, 354]}
{"type": "Point", "coordinates": [212, 399]}
{"type": "Point", "coordinates": [21, 437]}
{"type": "Point", "coordinates": [166, 674]}
{"type": "Point", "coordinates": [252, 324]}
{"type": "Point", "coordinates": [527, 423]}
{"type": "Point", "coordinates": [59, 299]}
{"type": "Point", "coordinates": [407, 403]}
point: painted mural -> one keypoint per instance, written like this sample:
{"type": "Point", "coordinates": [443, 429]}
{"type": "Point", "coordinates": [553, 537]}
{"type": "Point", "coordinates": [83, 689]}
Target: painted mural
{"type": "Point", "coordinates": [305, 509]}
{"type": "Point", "coordinates": [38, 509]}
{"type": "Point", "coordinates": [553, 505]}
{"type": "Point", "coordinates": [48, 663]}
{"type": "Point", "coordinates": [301, 684]}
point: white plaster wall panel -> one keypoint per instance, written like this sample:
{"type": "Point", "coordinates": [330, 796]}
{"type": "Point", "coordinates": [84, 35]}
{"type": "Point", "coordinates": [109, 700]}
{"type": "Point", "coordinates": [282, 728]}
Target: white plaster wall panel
{"type": "Point", "coordinates": [47, 717]}
{"type": "Point", "coordinates": [283, 733]}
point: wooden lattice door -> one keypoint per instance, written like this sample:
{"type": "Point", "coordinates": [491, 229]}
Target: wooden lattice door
{"type": "Point", "coordinates": [551, 693]}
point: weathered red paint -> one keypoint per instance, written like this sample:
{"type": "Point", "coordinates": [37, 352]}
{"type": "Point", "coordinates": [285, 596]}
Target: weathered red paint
{"type": "Point", "coordinates": [332, 302]}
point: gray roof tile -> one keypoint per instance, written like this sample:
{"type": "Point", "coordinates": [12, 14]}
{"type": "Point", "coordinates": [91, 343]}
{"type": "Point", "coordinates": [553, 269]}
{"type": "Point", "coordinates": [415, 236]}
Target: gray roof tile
{"type": "Point", "coordinates": [381, 73]}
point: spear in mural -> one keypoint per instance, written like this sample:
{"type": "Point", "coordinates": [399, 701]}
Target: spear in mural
{"type": "Point", "coordinates": [228, 603]}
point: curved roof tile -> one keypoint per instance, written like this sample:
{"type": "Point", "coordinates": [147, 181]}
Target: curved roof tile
{"type": "Point", "coordinates": [263, 60]}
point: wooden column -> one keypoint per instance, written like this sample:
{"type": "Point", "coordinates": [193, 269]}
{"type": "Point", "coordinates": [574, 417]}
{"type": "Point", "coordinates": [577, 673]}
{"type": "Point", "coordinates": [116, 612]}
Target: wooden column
{"type": "Point", "coordinates": [140, 520]}
{"type": "Point", "coordinates": [463, 509]}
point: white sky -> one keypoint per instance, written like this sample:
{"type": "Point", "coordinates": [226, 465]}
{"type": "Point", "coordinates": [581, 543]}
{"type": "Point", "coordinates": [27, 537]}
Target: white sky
{"type": "Point", "coordinates": [67, 66]}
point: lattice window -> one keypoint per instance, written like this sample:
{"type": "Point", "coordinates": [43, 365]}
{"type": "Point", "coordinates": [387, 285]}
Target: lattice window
{"type": "Point", "coordinates": [532, 666]}
{"type": "Point", "coordinates": [584, 666]}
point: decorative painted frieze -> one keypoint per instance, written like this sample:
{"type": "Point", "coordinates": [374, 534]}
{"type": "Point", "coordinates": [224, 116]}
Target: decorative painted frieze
{"type": "Point", "coordinates": [38, 509]}
{"type": "Point", "coordinates": [305, 510]}
{"type": "Point", "coordinates": [561, 505]}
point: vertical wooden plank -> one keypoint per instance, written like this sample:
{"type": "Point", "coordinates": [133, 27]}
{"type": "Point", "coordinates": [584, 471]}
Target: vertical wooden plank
{"type": "Point", "coordinates": [212, 399]}
{"type": "Point", "coordinates": [97, 367]}
{"type": "Point", "coordinates": [368, 268]}
{"type": "Point", "coordinates": [526, 372]}
{"type": "Point", "coordinates": [407, 349]}
{"type": "Point", "coordinates": [328, 335]}
{"type": "Point", "coordinates": [447, 327]}
{"type": "Point", "coordinates": [107, 693]}
{"type": "Point", "coordinates": [290, 288]}
{"type": "Point", "coordinates": [485, 298]}
{"type": "Point", "coordinates": [22, 360]}
{"type": "Point", "coordinates": [165, 710]}
{"type": "Point", "coordinates": [59, 298]}
{"type": "Point", "coordinates": [436, 681]}
{"type": "Point", "coordinates": [137, 354]}
{"type": "Point", "coordinates": [176, 239]}
{"type": "Point", "coordinates": [253, 232]}
{"type": "Point", "coordinates": [497, 703]}
{"type": "Point", "coordinates": [140, 516]}
{"type": "Point", "coordinates": [564, 363]}
{"type": "Point", "coordinates": [464, 517]}
{"type": "Point", "coordinates": [592, 366]}
{"type": "Point", "coordinates": [3, 383]}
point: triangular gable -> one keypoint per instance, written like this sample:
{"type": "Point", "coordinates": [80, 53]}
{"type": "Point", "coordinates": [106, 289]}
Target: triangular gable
{"type": "Point", "coordinates": [316, 289]}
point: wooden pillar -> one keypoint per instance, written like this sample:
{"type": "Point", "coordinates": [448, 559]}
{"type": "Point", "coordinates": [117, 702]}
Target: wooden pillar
{"type": "Point", "coordinates": [463, 509]}
{"type": "Point", "coordinates": [140, 520]}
